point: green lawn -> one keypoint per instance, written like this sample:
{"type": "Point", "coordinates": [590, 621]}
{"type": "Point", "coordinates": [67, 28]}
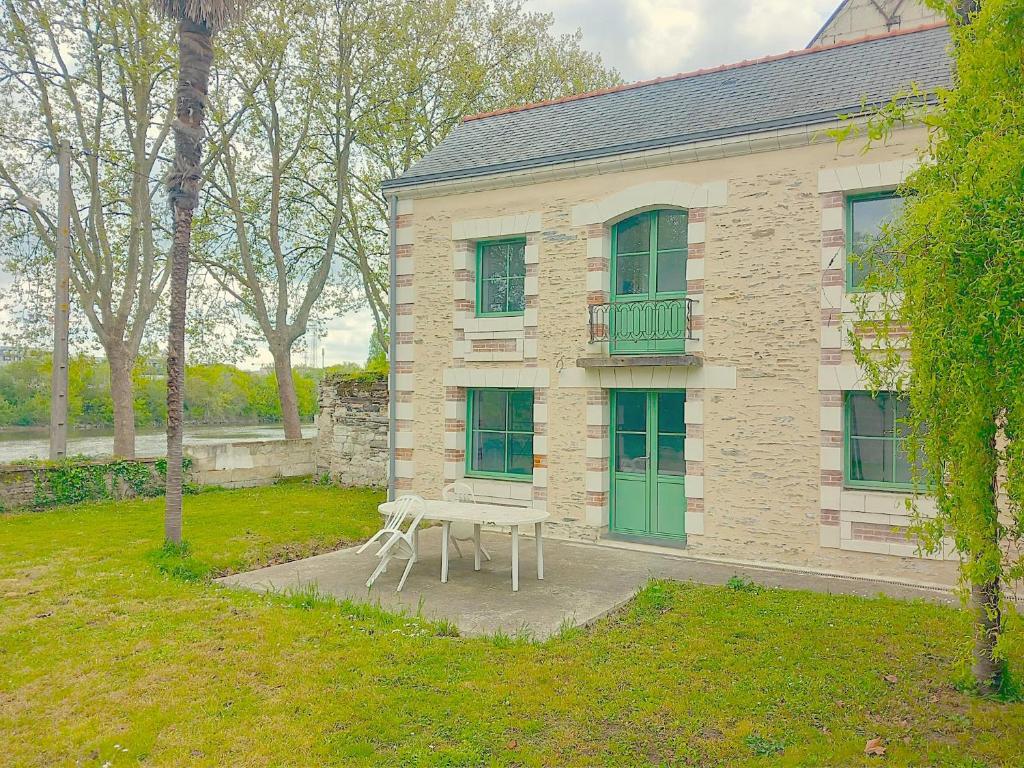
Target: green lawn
{"type": "Point", "coordinates": [105, 660]}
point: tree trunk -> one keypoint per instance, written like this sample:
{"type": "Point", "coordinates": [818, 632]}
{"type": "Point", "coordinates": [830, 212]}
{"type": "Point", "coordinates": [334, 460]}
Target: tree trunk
{"type": "Point", "coordinates": [985, 596]}
{"type": "Point", "coordinates": [286, 393]}
{"type": "Point", "coordinates": [988, 670]}
{"type": "Point", "coordinates": [195, 55]}
{"type": "Point", "coordinates": [176, 374]}
{"type": "Point", "coordinates": [122, 392]}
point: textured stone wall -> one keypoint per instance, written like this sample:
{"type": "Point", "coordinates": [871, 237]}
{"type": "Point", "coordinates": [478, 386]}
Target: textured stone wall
{"type": "Point", "coordinates": [24, 485]}
{"type": "Point", "coordinates": [762, 285]}
{"type": "Point", "coordinates": [858, 18]}
{"type": "Point", "coordinates": [241, 465]}
{"type": "Point", "coordinates": [352, 445]}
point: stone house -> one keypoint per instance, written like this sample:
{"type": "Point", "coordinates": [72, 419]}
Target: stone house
{"type": "Point", "coordinates": [630, 307]}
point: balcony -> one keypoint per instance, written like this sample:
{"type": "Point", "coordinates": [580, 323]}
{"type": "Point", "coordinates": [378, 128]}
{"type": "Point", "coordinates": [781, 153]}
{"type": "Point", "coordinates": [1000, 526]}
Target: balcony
{"type": "Point", "coordinates": [642, 332]}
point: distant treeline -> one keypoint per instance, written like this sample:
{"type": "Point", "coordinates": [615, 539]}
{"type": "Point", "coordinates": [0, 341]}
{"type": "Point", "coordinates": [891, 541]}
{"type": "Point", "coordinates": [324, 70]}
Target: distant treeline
{"type": "Point", "coordinates": [214, 394]}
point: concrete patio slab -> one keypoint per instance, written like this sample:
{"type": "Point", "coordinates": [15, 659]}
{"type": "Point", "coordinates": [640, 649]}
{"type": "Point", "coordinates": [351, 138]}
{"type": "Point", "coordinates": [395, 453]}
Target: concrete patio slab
{"type": "Point", "coordinates": [582, 582]}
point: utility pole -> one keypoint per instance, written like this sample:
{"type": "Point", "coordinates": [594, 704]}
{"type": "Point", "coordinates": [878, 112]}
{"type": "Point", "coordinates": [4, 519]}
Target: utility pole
{"type": "Point", "coordinates": [61, 309]}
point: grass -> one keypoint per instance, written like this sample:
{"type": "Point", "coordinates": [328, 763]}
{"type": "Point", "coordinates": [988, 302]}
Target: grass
{"type": "Point", "coordinates": [113, 650]}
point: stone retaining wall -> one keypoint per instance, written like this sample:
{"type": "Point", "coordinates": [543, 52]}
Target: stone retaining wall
{"type": "Point", "coordinates": [353, 431]}
{"type": "Point", "coordinates": [240, 465]}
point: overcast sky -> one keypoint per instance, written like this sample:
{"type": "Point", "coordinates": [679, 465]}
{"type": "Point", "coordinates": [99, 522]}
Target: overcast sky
{"type": "Point", "coordinates": [651, 38]}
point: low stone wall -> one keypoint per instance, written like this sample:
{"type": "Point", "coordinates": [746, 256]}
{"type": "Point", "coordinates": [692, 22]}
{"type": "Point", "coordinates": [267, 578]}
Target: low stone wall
{"type": "Point", "coordinates": [353, 430]}
{"type": "Point", "coordinates": [241, 465]}
{"type": "Point", "coordinates": [41, 485]}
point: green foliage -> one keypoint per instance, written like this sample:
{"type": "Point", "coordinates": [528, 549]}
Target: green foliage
{"type": "Point", "coordinates": [763, 747]}
{"type": "Point", "coordinates": [956, 284]}
{"type": "Point", "coordinates": [741, 584]}
{"type": "Point", "coordinates": [77, 479]}
{"type": "Point", "coordinates": [178, 562]}
{"type": "Point", "coordinates": [214, 394]}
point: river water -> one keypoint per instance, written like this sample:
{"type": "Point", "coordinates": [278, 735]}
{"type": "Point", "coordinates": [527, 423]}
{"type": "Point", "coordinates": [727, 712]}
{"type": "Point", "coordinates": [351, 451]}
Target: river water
{"type": "Point", "coordinates": [26, 444]}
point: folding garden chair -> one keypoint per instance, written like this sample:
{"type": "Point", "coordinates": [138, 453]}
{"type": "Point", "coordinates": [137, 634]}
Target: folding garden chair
{"type": "Point", "coordinates": [462, 492]}
{"type": "Point", "coordinates": [400, 533]}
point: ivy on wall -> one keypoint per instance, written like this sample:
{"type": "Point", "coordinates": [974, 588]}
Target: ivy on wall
{"type": "Point", "coordinates": [71, 481]}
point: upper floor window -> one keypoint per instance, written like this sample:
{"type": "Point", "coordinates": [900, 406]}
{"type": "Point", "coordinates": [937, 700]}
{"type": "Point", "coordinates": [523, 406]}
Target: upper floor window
{"type": "Point", "coordinates": [500, 433]}
{"type": "Point", "coordinates": [866, 215]}
{"type": "Point", "coordinates": [650, 254]}
{"type": "Point", "coordinates": [500, 277]}
{"type": "Point", "coordinates": [875, 441]}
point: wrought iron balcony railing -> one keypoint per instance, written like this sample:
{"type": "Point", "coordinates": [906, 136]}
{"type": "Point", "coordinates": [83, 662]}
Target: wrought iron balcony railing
{"type": "Point", "coordinates": [647, 320]}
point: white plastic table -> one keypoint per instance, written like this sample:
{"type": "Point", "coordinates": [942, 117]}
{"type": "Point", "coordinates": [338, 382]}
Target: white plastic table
{"type": "Point", "coordinates": [448, 512]}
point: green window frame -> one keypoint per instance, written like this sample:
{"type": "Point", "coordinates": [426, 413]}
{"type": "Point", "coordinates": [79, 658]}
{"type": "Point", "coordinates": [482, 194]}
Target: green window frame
{"type": "Point", "coordinates": [500, 277]}
{"type": "Point", "coordinates": [874, 437]}
{"type": "Point", "coordinates": [856, 273]}
{"type": "Point", "coordinates": [499, 434]}
{"type": "Point", "coordinates": [659, 256]}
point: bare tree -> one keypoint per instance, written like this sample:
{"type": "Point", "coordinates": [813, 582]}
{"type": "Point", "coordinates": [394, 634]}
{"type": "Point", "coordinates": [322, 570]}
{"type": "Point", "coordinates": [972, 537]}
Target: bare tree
{"type": "Point", "coordinates": [280, 193]}
{"type": "Point", "coordinates": [96, 74]}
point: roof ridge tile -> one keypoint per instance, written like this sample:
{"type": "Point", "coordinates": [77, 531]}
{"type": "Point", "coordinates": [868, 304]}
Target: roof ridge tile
{"type": "Point", "coordinates": [703, 71]}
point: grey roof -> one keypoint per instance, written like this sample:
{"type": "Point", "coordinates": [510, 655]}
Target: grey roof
{"type": "Point", "coordinates": [805, 88]}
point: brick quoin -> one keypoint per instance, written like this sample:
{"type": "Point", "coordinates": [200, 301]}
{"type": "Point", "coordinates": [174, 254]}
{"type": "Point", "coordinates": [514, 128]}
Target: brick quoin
{"type": "Point", "coordinates": [830, 439]}
{"type": "Point", "coordinates": [830, 398]}
{"type": "Point", "coordinates": [831, 356]}
{"type": "Point", "coordinates": [695, 251]}
{"type": "Point", "coordinates": [695, 468]}
{"type": "Point", "coordinates": [832, 199]}
{"type": "Point", "coordinates": [832, 238]}
{"type": "Point", "coordinates": [879, 532]}
{"type": "Point", "coordinates": [695, 505]}
{"type": "Point", "coordinates": [833, 277]}
{"type": "Point", "coordinates": [831, 477]}
{"type": "Point", "coordinates": [697, 214]}
{"type": "Point", "coordinates": [829, 517]}
{"type": "Point", "coordinates": [403, 220]}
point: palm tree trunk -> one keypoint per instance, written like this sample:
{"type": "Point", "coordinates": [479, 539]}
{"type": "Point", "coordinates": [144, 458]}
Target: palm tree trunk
{"type": "Point", "coordinates": [195, 52]}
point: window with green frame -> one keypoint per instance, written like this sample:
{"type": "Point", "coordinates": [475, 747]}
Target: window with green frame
{"type": "Point", "coordinates": [500, 433]}
{"type": "Point", "coordinates": [500, 277]}
{"type": "Point", "coordinates": [874, 433]}
{"type": "Point", "coordinates": [865, 216]}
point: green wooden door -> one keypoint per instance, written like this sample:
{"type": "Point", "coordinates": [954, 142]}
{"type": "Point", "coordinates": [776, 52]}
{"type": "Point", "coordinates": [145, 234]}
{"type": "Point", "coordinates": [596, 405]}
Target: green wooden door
{"type": "Point", "coordinates": [648, 466]}
{"type": "Point", "coordinates": [648, 268]}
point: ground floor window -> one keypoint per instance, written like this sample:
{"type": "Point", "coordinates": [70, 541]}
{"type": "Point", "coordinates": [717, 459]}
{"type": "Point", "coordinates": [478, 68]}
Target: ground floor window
{"type": "Point", "coordinates": [875, 441]}
{"type": "Point", "coordinates": [500, 433]}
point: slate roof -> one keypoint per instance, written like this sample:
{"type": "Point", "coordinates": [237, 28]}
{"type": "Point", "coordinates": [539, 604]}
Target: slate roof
{"type": "Point", "coordinates": [804, 87]}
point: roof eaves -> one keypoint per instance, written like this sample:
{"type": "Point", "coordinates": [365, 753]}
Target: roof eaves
{"type": "Point", "coordinates": [680, 140]}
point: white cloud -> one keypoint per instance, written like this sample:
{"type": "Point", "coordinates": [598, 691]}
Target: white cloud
{"type": "Point", "coordinates": [651, 38]}
{"type": "Point", "coordinates": [663, 33]}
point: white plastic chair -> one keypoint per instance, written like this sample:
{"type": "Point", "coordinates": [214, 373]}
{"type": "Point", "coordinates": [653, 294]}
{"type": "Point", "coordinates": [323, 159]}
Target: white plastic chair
{"type": "Point", "coordinates": [400, 544]}
{"type": "Point", "coordinates": [459, 531]}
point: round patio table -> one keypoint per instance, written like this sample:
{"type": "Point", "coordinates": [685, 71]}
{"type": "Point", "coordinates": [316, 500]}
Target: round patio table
{"type": "Point", "coordinates": [448, 512]}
